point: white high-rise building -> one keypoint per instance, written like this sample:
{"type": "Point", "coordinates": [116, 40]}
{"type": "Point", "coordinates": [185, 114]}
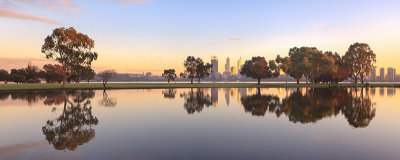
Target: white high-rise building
{"type": "Point", "coordinates": [214, 63]}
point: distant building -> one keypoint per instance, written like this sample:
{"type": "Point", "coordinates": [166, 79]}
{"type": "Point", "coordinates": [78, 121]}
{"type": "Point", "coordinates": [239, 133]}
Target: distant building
{"type": "Point", "coordinates": [390, 74]}
{"type": "Point", "coordinates": [148, 74]}
{"type": "Point", "coordinates": [227, 65]}
{"type": "Point", "coordinates": [373, 74]}
{"type": "Point", "coordinates": [382, 74]}
{"type": "Point", "coordinates": [239, 65]}
{"type": "Point", "coordinates": [214, 63]}
{"type": "Point", "coordinates": [233, 70]}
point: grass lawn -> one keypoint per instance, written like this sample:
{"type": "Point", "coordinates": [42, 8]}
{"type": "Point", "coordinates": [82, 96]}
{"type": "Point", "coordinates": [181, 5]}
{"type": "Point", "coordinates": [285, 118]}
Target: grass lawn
{"type": "Point", "coordinates": [53, 86]}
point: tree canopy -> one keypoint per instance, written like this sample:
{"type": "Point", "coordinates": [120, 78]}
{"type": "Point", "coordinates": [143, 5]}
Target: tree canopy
{"type": "Point", "coordinates": [169, 74]}
{"type": "Point", "coordinates": [258, 68]}
{"type": "Point", "coordinates": [72, 49]}
{"type": "Point", "coordinates": [360, 59]}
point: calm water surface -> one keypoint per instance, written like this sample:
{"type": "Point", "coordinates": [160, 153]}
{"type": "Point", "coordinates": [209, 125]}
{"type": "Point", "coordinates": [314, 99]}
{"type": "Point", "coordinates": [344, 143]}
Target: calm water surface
{"type": "Point", "coordinates": [207, 123]}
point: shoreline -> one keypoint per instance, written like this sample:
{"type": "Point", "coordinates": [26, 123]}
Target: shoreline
{"type": "Point", "coordinates": [97, 86]}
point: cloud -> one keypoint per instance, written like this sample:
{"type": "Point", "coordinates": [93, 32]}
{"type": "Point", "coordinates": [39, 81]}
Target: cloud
{"type": "Point", "coordinates": [318, 26]}
{"type": "Point", "coordinates": [54, 5]}
{"type": "Point", "coordinates": [235, 39]}
{"type": "Point", "coordinates": [128, 2]}
{"type": "Point", "coordinates": [16, 15]}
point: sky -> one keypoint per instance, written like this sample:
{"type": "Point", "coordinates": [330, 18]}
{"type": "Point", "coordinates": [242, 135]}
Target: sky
{"type": "Point", "coordinates": [135, 36]}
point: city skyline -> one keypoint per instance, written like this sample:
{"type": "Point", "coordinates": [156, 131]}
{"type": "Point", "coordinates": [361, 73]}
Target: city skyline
{"type": "Point", "coordinates": [234, 29]}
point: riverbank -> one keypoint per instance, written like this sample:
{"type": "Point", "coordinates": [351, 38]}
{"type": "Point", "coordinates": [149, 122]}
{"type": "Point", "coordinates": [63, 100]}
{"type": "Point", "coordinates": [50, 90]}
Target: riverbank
{"type": "Point", "coordinates": [53, 86]}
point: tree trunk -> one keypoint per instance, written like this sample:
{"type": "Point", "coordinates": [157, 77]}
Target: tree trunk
{"type": "Point", "coordinates": [259, 79]}
{"type": "Point", "coordinates": [191, 80]}
{"type": "Point", "coordinates": [362, 78]}
{"type": "Point", "coordinates": [355, 79]}
{"type": "Point", "coordinates": [298, 81]}
{"type": "Point", "coordinates": [306, 80]}
{"type": "Point", "coordinates": [198, 81]}
{"type": "Point", "coordinates": [64, 76]}
{"type": "Point", "coordinates": [168, 80]}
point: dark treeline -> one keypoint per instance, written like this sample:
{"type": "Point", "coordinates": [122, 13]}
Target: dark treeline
{"type": "Point", "coordinates": [310, 63]}
{"type": "Point", "coordinates": [50, 73]}
{"type": "Point", "coordinates": [328, 67]}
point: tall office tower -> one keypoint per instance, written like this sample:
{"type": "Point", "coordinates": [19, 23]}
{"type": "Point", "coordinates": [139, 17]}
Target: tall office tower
{"type": "Point", "coordinates": [394, 74]}
{"type": "Point", "coordinates": [214, 63]}
{"type": "Point", "coordinates": [390, 74]}
{"type": "Point", "coordinates": [239, 65]}
{"type": "Point", "coordinates": [233, 70]}
{"type": "Point", "coordinates": [382, 74]}
{"type": "Point", "coordinates": [373, 74]}
{"type": "Point", "coordinates": [227, 65]}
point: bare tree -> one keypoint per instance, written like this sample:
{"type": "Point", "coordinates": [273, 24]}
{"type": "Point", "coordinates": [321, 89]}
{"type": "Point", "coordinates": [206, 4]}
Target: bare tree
{"type": "Point", "coordinates": [107, 75]}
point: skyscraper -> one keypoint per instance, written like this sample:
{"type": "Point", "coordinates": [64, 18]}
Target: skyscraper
{"type": "Point", "coordinates": [373, 74]}
{"type": "Point", "coordinates": [239, 65]}
{"type": "Point", "coordinates": [233, 70]}
{"type": "Point", "coordinates": [227, 65]}
{"type": "Point", "coordinates": [390, 74]}
{"type": "Point", "coordinates": [214, 63]}
{"type": "Point", "coordinates": [382, 74]}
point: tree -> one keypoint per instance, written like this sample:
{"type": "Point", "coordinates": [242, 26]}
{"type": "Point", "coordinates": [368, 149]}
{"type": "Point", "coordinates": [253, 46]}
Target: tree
{"type": "Point", "coordinates": [18, 75]}
{"type": "Point", "coordinates": [190, 65]}
{"type": "Point", "coordinates": [169, 74]}
{"type": "Point", "coordinates": [342, 70]}
{"type": "Point", "coordinates": [87, 74]}
{"type": "Point", "coordinates": [52, 73]}
{"type": "Point", "coordinates": [107, 75]}
{"type": "Point", "coordinates": [361, 60]}
{"type": "Point", "coordinates": [4, 76]}
{"type": "Point", "coordinates": [70, 48]}
{"type": "Point", "coordinates": [322, 66]}
{"type": "Point", "coordinates": [258, 68]}
{"type": "Point", "coordinates": [202, 70]}
{"type": "Point", "coordinates": [284, 64]}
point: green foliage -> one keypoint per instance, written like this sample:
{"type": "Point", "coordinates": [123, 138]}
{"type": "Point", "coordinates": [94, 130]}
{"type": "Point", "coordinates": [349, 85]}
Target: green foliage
{"type": "Point", "coordinates": [258, 68]}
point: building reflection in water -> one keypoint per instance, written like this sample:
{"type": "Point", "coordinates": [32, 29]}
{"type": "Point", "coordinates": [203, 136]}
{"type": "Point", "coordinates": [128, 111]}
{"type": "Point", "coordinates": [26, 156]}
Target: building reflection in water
{"type": "Point", "coordinates": [381, 91]}
{"type": "Point", "coordinates": [227, 95]}
{"type": "Point", "coordinates": [214, 96]}
{"type": "Point", "coordinates": [390, 91]}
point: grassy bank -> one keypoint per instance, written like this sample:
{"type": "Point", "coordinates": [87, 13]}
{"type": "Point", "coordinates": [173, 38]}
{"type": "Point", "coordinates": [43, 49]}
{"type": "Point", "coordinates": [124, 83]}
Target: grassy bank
{"type": "Point", "coordinates": [27, 87]}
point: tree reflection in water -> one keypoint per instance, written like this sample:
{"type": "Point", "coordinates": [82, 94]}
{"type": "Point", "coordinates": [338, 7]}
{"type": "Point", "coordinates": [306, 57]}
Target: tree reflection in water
{"type": "Point", "coordinates": [107, 101]}
{"type": "Point", "coordinates": [258, 104]}
{"type": "Point", "coordinates": [314, 105]}
{"type": "Point", "coordinates": [169, 93]}
{"type": "Point", "coordinates": [196, 100]}
{"type": "Point", "coordinates": [74, 126]}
